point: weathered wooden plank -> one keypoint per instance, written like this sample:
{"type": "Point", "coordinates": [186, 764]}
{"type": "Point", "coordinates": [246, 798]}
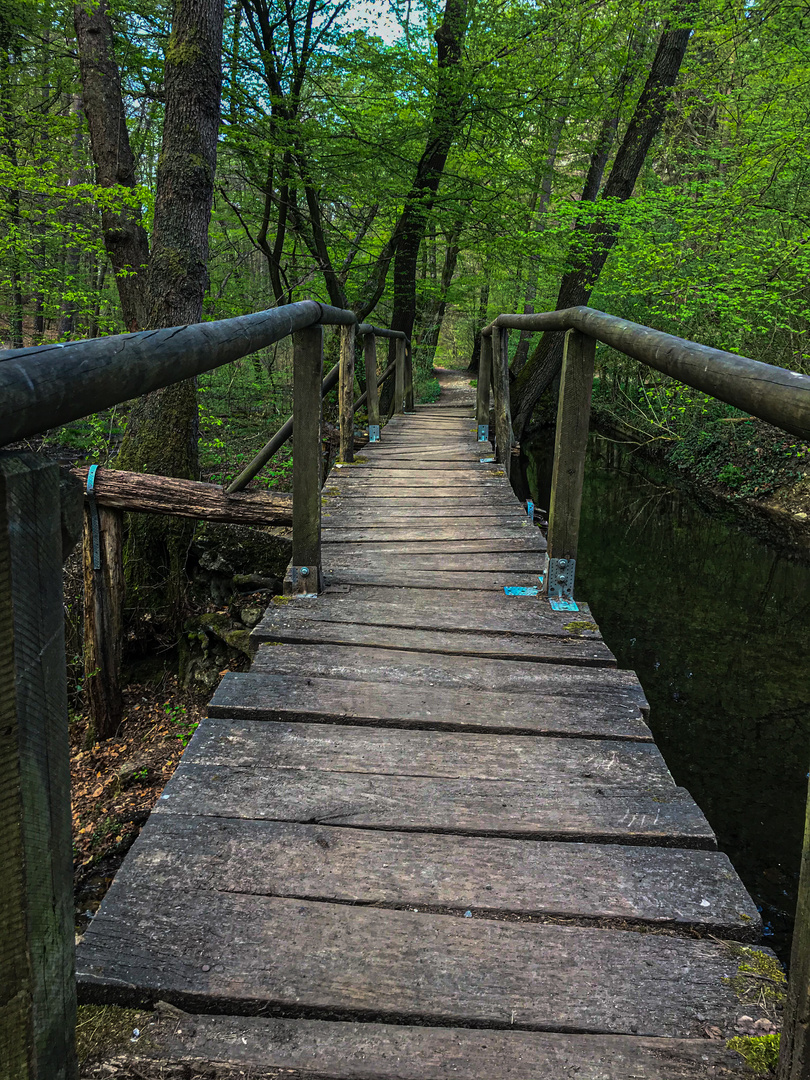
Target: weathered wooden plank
{"type": "Point", "coordinates": [486, 475]}
{"type": "Point", "coordinates": [532, 541]}
{"type": "Point", "coordinates": [510, 513]}
{"type": "Point", "coordinates": [451, 610]}
{"type": "Point", "coordinates": [605, 766]}
{"type": "Point", "coordinates": [538, 650]}
{"type": "Point", "coordinates": [384, 665]}
{"type": "Point", "coordinates": [463, 807]}
{"type": "Point", "coordinates": [261, 696]}
{"type": "Point", "coordinates": [456, 506]}
{"type": "Point", "coordinates": [341, 961]}
{"type": "Point", "coordinates": [432, 579]}
{"type": "Point", "coordinates": [696, 890]}
{"type": "Point", "coordinates": [400, 464]}
{"type": "Point", "coordinates": [526, 562]}
{"type": "Point", "coordinates": [483, 530]}
{"type": "Point", "coordinates": [332, 1050]}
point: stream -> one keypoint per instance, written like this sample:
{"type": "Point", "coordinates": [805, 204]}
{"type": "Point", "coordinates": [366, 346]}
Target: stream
{"type": "Point", "coordinates": [715, 623]}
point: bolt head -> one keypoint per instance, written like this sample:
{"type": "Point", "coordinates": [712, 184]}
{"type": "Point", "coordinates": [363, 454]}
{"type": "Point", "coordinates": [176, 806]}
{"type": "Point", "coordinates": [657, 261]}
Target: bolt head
{"type": "Point", "coordinates": [304, 571]}
{"type": "Point", "coordinates": [562, 564]}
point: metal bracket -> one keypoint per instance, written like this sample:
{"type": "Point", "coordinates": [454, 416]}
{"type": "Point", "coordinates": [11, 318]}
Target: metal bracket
{"type": "Point", "coordinates": [373, 432]}
{"type": "Point", "coordinates": [530, 511]}
{"type": "Point", "coordinates": [483, 432]}
{"type": "Point", "coordinates": [95, 528]}
{"type": "Point", "coordinates": [520, 590]}
{"type": "Point", "coordinates": [486, 460]}
{"type": "Point", "coordinates": [561, 579]}
{"type": "Point", "coordinates": [303, 582]}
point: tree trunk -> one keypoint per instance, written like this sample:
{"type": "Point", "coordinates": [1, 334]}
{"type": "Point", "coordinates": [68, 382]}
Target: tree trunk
{"type": "Point", "coordinates": [538, 224]}
{"type": "Point", "coordinates": [428, 338]}
{"type": "Point", "coordinates": [601, 233]}
{"type": "Point", "coordinates": [162, 432]}
{"type": "Point", "coordinates": [481, 322]}
{"type": "Point", "coordinates": [445, 119]}
{"type": "Point", "coordinates": [124, 237]}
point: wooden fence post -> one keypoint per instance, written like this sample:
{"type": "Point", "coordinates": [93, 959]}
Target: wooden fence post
{"type": "Point", "coordinates": [103, 558]}
{"type": "Point", "coordinates": [482, 389]}
{"type": "Point", "coordinates": [304, 572]}
{"type": "Point", "coordinates": [503, 414]}
{"type": "Point", "coordinates": [372, 390]}
{"type": "Point", "coordinates": [346, 394]}
{"type": "Point", "coordinates": [570, 445]}
{"type": "Point", "coordinates": [409, 406]}
{"type": "Point", "coordinates": [37, 967]}
{"type": "Point", "coordinates": [794, 1042]}
{"type": "Point", "coordinates": [399, 377]}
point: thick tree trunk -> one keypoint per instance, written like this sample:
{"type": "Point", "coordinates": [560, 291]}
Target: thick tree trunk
{"type": "Point", "coordinates": [445, 119]}
{"type": "Point", "coordinates": [601, 234]}
{"type": "Point", "coordinates": [161, 436]}
{"type": "Point", "coordinates": [124, 237]}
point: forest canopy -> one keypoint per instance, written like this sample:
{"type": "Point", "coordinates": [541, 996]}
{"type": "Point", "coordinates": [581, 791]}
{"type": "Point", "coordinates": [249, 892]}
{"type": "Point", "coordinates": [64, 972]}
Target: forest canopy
{"type": "Point", "coordinates": [430, 164]}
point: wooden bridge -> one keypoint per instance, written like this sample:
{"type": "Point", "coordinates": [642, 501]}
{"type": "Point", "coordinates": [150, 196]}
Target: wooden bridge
{"type": "Point", "coordinates": [429, 835]}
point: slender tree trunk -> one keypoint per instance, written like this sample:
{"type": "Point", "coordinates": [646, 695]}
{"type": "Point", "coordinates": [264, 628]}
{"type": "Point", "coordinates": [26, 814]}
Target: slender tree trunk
{"type": "Point", "coordinates": [124, 236]}
{"type": "Point", "coordinates": [445, 119]}
{"type": "Point", "coordinates": [428, 337]}
{"type": "Point", "coordinates": [601, 234]}
{"type": "Point", "coordinates": [67, 316]}
{"type": "Point", "coordinates": [537, 226]}
{"type": "Point", "coordinates": [481, 322]}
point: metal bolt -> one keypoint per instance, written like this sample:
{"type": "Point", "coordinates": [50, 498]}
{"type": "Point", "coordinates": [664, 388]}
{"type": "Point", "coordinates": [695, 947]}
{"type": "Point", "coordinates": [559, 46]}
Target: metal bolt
{"type": "Point", "coordinates": [562, 564]}
{"type": "Point", "coordinates": [561, 578]}
{"type": "Point", "coordinates": [304, 571]}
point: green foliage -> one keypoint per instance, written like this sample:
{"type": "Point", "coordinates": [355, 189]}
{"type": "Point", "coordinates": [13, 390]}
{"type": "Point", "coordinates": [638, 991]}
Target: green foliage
{"type": "Point", "coordinates": [761, 1052]}
{"type": "Point", "coordinates": [183, 725]}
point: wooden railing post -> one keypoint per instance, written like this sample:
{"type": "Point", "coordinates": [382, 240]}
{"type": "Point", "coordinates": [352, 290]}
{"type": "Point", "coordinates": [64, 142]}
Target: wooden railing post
{"type": "Point", "coordinates": [103, 557]}
{"type": "Point", "coordinates": [37, 967]}
{"type": "Point", "coordinates": [503, 415]}
{"type": "Point", "coordinates": [304, 572]}
{"type": "Point", "coordinates": [346, 393]}
{"type": "Point", "coordinates": [482, 390]}
{"type": "Point", "coordinates": [570, 445]}
{"type": "Point", "coordinates": [372, 390]}
{"type": "Point", "coordinates": [408, 377]}
{"type": "Point", "coordinates": [794, 1042]}
{"type": "Point", "coordinates": [399, 377]}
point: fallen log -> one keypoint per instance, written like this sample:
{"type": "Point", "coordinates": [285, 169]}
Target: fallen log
{"type": "Point", "coordinates": [150, 494]}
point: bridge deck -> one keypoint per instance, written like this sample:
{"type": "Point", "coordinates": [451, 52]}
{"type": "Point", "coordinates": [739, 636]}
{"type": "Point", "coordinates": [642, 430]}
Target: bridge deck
{"type": "Point", "coordinates": [429, 835]}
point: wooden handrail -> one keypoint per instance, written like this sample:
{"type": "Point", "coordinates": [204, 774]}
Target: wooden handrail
{"type": "Point", "coordinates": [48, 385]}
{"type": "Point", "coordinates": [774, 394]}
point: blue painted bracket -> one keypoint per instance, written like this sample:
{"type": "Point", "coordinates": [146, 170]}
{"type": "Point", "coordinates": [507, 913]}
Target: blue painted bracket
{"type": "Point", "coordinates": [373, 432]}
{"type": "Point", "coordinates": [95, 528]}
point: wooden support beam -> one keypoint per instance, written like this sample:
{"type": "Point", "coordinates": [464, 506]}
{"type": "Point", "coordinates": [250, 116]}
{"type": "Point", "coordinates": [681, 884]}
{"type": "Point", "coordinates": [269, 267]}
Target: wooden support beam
{"type": "Point", "coordinates": [38, 995]}
{"type": "Point", "coordinates": [304, 572]}
{"type": "Point", "coordinates": [372, 392]}
{"type": "Point", "coordinates": [482, 390]}
{"type": "Point", "coordinates": [150, 494]}
{"type": "Point", "coordinates": [103, 559]}
{"type": "Point", "coordinates": [409, 405]}
{"type": "Point", "coordinates": [571, 442]}
{"type": "Point", "coordinates": [346, 393]}
{"type": "Point", "coordinates": [399, 378]}
{"type": "Point", "coordinates": [794, 1043]}
{"type": "Point", "coordinates": [503, 414]}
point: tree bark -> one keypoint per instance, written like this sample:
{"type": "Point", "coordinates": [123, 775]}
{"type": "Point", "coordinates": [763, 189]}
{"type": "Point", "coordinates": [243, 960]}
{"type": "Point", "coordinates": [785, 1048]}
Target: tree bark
{"type": "Point", "coordinates": [428, 337]}
{"type": "Point", "coordinates": [125, 238]}
{"type": "Point", "coordinates": [601, 234]}
{"type": "Point", "coordinates": [445, 119]}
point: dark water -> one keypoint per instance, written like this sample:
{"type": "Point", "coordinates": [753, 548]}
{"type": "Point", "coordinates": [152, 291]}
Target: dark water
{"type": "Point", "coordinates": [715, 623]}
